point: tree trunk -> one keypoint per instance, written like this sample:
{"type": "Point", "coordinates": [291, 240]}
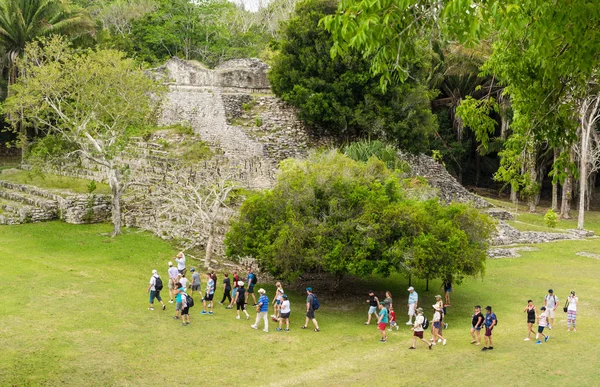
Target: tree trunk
{"type": "Point", "coordinates": [513, 195]}
{"type": "Point", "coordinates": [590, 191]}
{"type": "Point", "coordinates": [114, 182]}
{"type": "Point", "coordinates": [555, 185]}
{"type": "Point", "coordinates": [532, 179]}
{"type": "Point", "coordinates": [209, 245]}
{"type": "Point", "coordinates": [565, 205]}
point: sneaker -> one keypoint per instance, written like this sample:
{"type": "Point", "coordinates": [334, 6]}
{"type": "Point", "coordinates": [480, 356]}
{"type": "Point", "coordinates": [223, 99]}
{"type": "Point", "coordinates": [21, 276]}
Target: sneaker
{"type": "Point", "coordinates": [366, 323]}
{"type": "Point", "coordinates": [164, 307]}
{"type": "Point", "coordinates": [176, 317]}
{"type": "Point", "coordinates": [237, 317]}
{"type": "Point", "coordinates": [286, 329]}
{"type": "Point", "coordinates": [526, 339]}
{"type": "Point", "coordinates": [170, 301]}
{"type": "Point", "coordinates": [228, 307]}
{"type": "Point", "coordinates": [490, 348]}
{"type": "Point", "coordinates": [568, 329]}
{"type": "Point", "coordinates": [317, 330]}
{"type": "Point", "coordinates": [550, 327]}
{"type": "Point", "coordinates": [444, 342]}
{"type": "Point", "coordinates": [247, 317]}
{"type": "Point", "coordinates": [433, 343]}
{"type": "Point", "coordinates": [539, 342]}
{"type": "Point", "coordinates": [390, 329]}
{"type": "Point", "coordinates": [574, 329]}
{"type": "Point", "coordinates": [397, 327]}
{"type": "Point", "coordinates": [445, 325]}
{"type": "Point", "coordinates": [183, 324]}
{"type": "Point", "coordinates": [411, 348]}
{"type": "Point", "coordinates": [210, 312]}
{"type": "Point", "coordinates": [409, 323]}
{"type": "Point", "coordinates": [254, 304]}
{"type": "Point", "coordinates": [150, 308]}
{"type": "Point", "coordinates": [430, 346]}
{"type": "Point", "coordinates": [439, 340]}
{"type": "Point", "coordinates": [303, 327]}
{"type": "Point", "coordinates": [203, 312]}
{"type": "Point", "coordinates": [220, 303]}
{"type": "Point", "coordinates": [484, 348]}
{"type": "Point", "coordinates": [278, 329]}
{"type": "Point", "coordinates": [266, 330]}
{"type": "Point", "coordinates": [547, 338]}
{"type": "Point", "coordinates": [382, 341]}
{"type": "Point", "coordinates": [254, 326]}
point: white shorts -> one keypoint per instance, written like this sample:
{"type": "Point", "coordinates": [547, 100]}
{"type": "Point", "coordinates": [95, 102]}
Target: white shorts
{"type": "Point", "coordinates": [372, 309]}
{"type": "Point", "coordinates": [411, 309]}
{"type": "Point", "coordinates": [550, 313]}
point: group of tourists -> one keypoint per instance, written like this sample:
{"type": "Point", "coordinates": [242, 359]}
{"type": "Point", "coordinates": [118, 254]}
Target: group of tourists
{"type": "Point", "coordinates": [237, 294]}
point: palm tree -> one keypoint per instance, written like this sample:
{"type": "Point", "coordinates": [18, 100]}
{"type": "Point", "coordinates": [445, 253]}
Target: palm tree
{"type": "Point", "coordinates": [22, 21]}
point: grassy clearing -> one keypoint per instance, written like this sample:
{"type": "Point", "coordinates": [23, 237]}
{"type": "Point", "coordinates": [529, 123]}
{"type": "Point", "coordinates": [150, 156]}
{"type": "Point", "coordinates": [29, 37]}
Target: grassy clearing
{"type": "Point", "coordinates": [73, 311]}
{"type": "Point", "coordinates": [53, 182]}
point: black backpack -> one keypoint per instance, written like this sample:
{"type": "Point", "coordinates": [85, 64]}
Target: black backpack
{"type": "Point", "coordinates": [315, 304]}
{"type": "Point", "coordinates": [425, 324]}
{"type": "Point", "coordinates": [254, 279]}
{"type": "Point", "coordinates": [158, 285]}
{"type": "Point", "coordinates": [189, 300]}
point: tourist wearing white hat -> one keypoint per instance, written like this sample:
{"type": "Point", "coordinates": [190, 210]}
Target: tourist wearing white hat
{"type": "Point", "coordinates": [437, 324]}
{"type": "Point", "coordinates": [413, 301]}
{"type": "Point", "coordinates": [262, 310]}
{"type": "Point", "coordinates": [418, 329]}
{"type": "Point", "coordinates": [240, 300]}
{"type": "Point", "coordinates": [173, 274]}
{"type": "Point", "coordinates": [154, 289]}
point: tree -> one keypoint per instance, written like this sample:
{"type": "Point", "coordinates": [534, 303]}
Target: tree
{"type": "Point", "coordinates": [340, 96]}
{"type": "Point", "coordinates": [22, 21]}
{"type": "Point", "coordinates": [331, 213]}
{"type": "Point", "coordinates": [91, 101]}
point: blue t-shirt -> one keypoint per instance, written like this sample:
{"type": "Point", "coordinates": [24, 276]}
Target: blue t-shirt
{"type": "Point", "coordinates": [384, 312]}
{"type": "Point", "coordinates": [265, 303]}
{"type": "Point", "coordinates": [489, 319]}
{"type": "Point", "coordinates": [251, 277]}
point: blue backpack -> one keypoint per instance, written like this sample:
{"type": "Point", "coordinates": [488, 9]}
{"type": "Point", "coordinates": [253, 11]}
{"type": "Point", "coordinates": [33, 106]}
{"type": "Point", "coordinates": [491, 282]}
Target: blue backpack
{"type": "Point", "coordinates": [315, 304]}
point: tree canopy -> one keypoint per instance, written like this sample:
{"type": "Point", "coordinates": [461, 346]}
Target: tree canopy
{"type": "Point", "coordinates": [331, 213]}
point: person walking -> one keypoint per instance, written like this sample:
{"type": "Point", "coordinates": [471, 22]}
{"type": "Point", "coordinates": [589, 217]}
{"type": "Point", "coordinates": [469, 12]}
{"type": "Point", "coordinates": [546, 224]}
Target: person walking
{"type": "Point", "coordinates": [373, 301]}
{"type": "Point", "coordinates": [184, 281]}
{"type": "Point", "coordinates": [236, 280]}
{"type": "Point", "coordinates": [178, 300]}
{"type": "Point", "coordinates": [210, 293]}
{"type": "Point", "coordinates": [240, 300]}
{"type": "Point", "coordinates": [542, 323]}
{"type": "Point", "coordinates": [417, 329]}
{"type": "Point", "coordinates": [154, 289]}
{"type": "Point", "coordinates": [180, 259]}
{"type": "Point", "coordinates": [173, 274]}
{"type": "Point", "coordinates": [382, 322]}
{"type": "Point", "coordinates": [277, 300]}
{"type": "Point", "coordinates": [477, 321]}
{"type": "Point", "coordinates": [572, 312]}
{"type": "Point", "coordinates": [413, 302]}
{"type": "Point", "coordinates": [226, 290]}
{"type": "Point", "coordinates": [387, 301]}
{"type": "Point", "coordinates": [393, 322]}
{"type": "Point", "coordinates": [447, 285]}
{"type": "Point", "coordinates": [551, 303]}
{"type": "Point", "coordinates": [531, 316]}
{"type": "Point", "coordinates": [185, 308]}
{"type": "Point", "coordinates": [490, 323]}
{"type": "Point", "coordinates": [437, 325]}
{"type": "Point", "coordinates": [262, 310]}
{"type": "Point", "coordinates": [310, 310]}
{"type": "Point", "coordinates": [195, 281]}
{"type": "Point", "coordinates": [284, 314]}
{"type": "Point", "coordinates": [252, 280]}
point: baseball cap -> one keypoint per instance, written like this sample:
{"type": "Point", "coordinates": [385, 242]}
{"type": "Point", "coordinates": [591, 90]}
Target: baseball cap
{"type": "Point", "coordinates": [543, 308]}
{"type": "Point", "coordinates": [370, 291]}
{"type": "Point", "coordinates": [411, 288]}
{"type": "Point", "coordinates": [170, 263]}
{"type": "Point", "coordinates": [192, 269]}
{"type": "Point", "coordinates": [478, 306]}
{"type": "Point", "coordinates": [309, 289]}
{"type": "Point", "coordinates": [154, 271]}
{"type": "Point", "coordinates": [550, 291]}
{"type": "Point", "coordinates": [488, 308]}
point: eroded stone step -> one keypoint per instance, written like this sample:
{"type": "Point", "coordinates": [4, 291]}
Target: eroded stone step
{"type": "Point", "coordinates": [25, 195]}
{"type": "Point", "coordinates": [14, 212]}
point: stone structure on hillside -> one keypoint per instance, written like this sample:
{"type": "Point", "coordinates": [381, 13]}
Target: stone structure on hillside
{"type": "Point", "coordinates": [20, 203]}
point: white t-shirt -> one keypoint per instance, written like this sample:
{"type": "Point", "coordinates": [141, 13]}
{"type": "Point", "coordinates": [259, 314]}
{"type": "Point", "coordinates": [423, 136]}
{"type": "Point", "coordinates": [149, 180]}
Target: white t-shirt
{"type": "Point", "coordinates": [419, 323]}
{"type": "Point", "coordinates": [573, 303]}
{"type": "Point", "coordinates": [153, 282]}
{"type": "Point", "coordinates": [551, 301]}
{"type": "Point", "coordinates": [184, 282]}
{"type": "Point", "coordinates": [180, 263]}
{"type": "Point", "coordinates": [543, 322]}
{"type": "Point", "coordinates": [437, 316]}
{"type": "Point", "coordinates": [285, 306]}
{"type": "Point", "coordinates": [173, 273]}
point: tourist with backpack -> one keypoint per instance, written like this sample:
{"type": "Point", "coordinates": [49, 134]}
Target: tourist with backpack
{"type": "Point", "coordinates": [312, 304]}
{"type": "Point", "coordinates": [210, 294]}
{"type": "Point", "coordinates": [284, 314]}
{"type": "Point", "coordinates": [418, 327]}
{"type": "Point", "coordinates": [179, 290]}
{"type": "Point", "coordinates": [551, 303]}
{"type": "Point", "coordinates": [240, 300]}
{"type": "Point", "coordinates": [437, 324]}
{"type": "Point", "coordinates": [154, 289]}
{"type": "Point", "coordinates": [187, 302]}
{"type": "Point", "coordinates": [490, 322]}
{"type": "Point", "coordinates": [252, 280]}
{"type": "Point", "coordinates": [262, 310]}
{"type": "Point", "coordinates": [477, 321]}
{"type": "Point", "coordinates": [373, 301]}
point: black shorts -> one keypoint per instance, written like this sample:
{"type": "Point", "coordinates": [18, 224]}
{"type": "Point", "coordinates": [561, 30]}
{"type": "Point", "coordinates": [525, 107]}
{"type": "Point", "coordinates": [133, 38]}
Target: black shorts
{"type": "Point", "coordinates": [310, 313]}
{"type": "Point", "coordinates": [285, 315]}
{"type": "Point", "coordinates": [530, 321]}
{"type": "Point", "coordinates": [241, 305]}
{"type": "Point", "coordinates": [250, 289]}
{"type": "Point", "coordinates": [185, 311]}
{"type": "Point", "coordinates": [182, 271]}
{"type": "Point", "coordinates": [209, 297]}
{"type": "Point", "coordinates": [196, 287]}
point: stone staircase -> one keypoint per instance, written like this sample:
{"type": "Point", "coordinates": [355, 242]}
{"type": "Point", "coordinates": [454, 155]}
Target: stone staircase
{"type": "Point", "coordinates": [24, 204]}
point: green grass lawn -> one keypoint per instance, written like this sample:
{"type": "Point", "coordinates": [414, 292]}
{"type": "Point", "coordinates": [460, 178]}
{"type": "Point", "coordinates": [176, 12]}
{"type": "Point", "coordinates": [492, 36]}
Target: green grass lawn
{"type": "Point", "coordinates": [49, 181]}
{"type": "Point", "coordinates": [73, 311]}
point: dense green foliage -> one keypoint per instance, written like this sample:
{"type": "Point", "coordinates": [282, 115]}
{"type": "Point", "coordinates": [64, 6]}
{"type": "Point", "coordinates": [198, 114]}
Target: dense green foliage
{"type": "Point", "coordinates": [335, 214]}
{"type": "Point", "coordinates": [340, 95]}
